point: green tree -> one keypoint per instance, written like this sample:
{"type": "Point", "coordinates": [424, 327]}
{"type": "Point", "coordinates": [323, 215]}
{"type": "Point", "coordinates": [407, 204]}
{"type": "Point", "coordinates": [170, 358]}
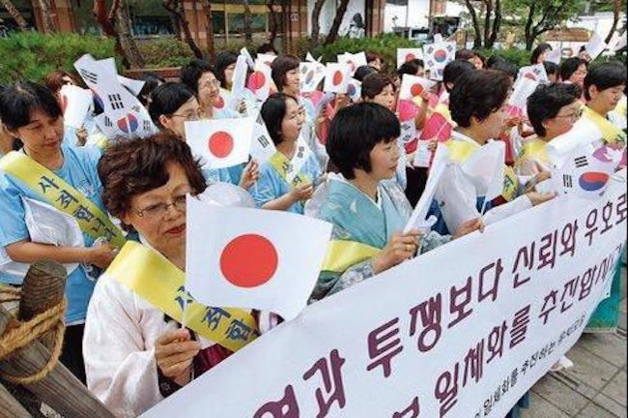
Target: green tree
{"type": "Point", "coordinates": [490, 12]}
{"type": "Point", "coordinates": [540, 16]}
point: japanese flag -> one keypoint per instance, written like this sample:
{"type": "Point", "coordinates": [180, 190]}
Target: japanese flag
{"type": "Point", "coordinates": [524, 87]}
{"type": "Point", "coordinates": [413, 86]}
{"type": "Point", "coordinates": [220, 142]}
{"type": "Point", "coordinates": [310, 76]}
{"type": "Point", "coordinates": [262, 146]}
{"type": "Point", "coordinates": [266, 59]}
{"type": "Point", "coordinates": [239, 81]}
{"type": "Point", "coordinates": [247, 55]}
{"type": "Point", "coordinates": [437, 127]}
{"type": "Point", "coordinates": [260, 81]}
{"type": "Point", "coordinates": [352, 60]}
{"type": "Point", "coordinates": [485, 168]}
{"type": "Point", "coordinates": [252, 260]}
{"type": "Point", "coordinates": [534, 72]}
{"type": "Point", "coordinates": [336, 78]}
{"type": "Point", "coordinates": [75, 103]}
{"type": "Point", "coordinates": [408, 54]}
{"type": "Point", "coordinates": [354, 89]}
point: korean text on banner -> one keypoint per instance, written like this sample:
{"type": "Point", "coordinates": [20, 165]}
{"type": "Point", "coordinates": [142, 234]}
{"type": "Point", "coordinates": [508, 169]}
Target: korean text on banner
{"type": "Point", "coordinates": [479, 333]}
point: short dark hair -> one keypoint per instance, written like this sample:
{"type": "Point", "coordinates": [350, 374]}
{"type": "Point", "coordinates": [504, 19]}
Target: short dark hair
{"type": "Point", "coordinates": [506, 67]}
{"type": "Point", "coordinates": [410, 67]}
{"type": "Point", "coordinates": [465, 54]}
{"type": "Point", "coordinates": [454, 70]}
{"type": "Point", "coordinates": [493, 60]}
{"type": "Point", "coordinates": [478, 94]}
{"type": "Point", "coordinates": [166, 99]}
{"type": "Point", "coordinates": [538, 51]}
{"type": "Point", "coordinates": [18, 102]}
{"type": "Point", "coordinates": [129, 168]}
{"type": "Point", "coordinates": [280, 67]}
{"type": "Point", "coordinates": [191, 72]}
{"type": "Point", "coordinates": [547, 100]}
{"type": "Point", "coordinates": [266, 48]}
{"type": "Point", "coordinates": [605, 76]}
{"type": "Point", "coordinates": [550, 67]}
{"type": "Point", "coordinates": [363, 71]}
{"type": "Point", "coordinates": [372, 56]}
{"type": "Point", "coordinates": [273, 111]}
{"type": "Point", "coordinates": [570, 66]}
{"type": "Point", "coordinates": [54, 81]}
{"type": "Point", "coordinates": [354, 132]}
{"type": "Point", "coordinates": [151, 81]}
{"type": "Point", "coordinates": [223, 60]}
{"type": "Point", "coordinates": [373, 84]}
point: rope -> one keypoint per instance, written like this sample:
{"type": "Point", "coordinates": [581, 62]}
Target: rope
{"type": "Point", "coordinates": [20, 334]}
{"type": "Point", "coordinates": [9, 294]}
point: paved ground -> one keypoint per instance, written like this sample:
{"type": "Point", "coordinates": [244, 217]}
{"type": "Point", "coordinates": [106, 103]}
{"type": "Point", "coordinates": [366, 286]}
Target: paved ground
{"type": "Point", "coordinates": [596, 386]}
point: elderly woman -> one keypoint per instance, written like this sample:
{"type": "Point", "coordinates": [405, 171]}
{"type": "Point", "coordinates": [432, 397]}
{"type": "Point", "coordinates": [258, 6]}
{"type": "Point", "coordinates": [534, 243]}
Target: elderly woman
{"type": "Point", "coordinates": [200, 77]}
{"type": "Point", "coordinates": [173, 104]}
{"type": "Point", "coordinates": [139, 302]}
{"type": "Point", "coordinates": [552, 111]}
{"type": "Point", "coordinates": [278, 187]}
{"type": "Point", "coordinates": [367, 209]}
{"type": "Point", "coordinates": [48, 172]}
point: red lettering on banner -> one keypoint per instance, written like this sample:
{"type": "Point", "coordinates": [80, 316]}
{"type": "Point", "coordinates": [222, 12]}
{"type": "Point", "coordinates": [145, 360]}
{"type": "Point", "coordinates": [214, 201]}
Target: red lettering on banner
{"type": "Point", "coordinates": [331, 373]}
{"type": "Point", "coordinates": [568, 238]}
{"type": "Point", "coordinates": [548, 306]}
{"type": "Point", "coordinates": [446, 390]}
{"type": "Point", "coordinates": [607, 214]}
{"type": "Point", "coordinates": [383, 345]}
{"type": "Point", "coordinates": [286, 407]}
{"type": "Point", "coordinates": [430, 314]}
{"type": "Point", "coordinates": [474, 363]}
{"type": "Point", "coordinates": [569, 291]}
{"type": "Point", "coordinates": [519, 328]}
{"type": "Point", "coordinates": [547, 251]}
{"type": "Point", "coordinates": [527, 255]}
{"type": "Point", "coordinates": [621, 209]}
{"type": "Point", "coordinates": [591, 225]}
{"type": "Point", "coordinates": [459, 307]}
{"type": "Point", "coordinates": [413, 411]}
{"type": "Point", "coordinates": [496, 341]}
{"type": "Point", "coordinates": [493, 290]}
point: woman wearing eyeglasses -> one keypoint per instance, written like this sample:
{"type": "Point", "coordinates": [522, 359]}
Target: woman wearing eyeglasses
{"type": "Point", "coordinates": [173, 104]}
{"type": "Point", "coordinates": [552, 111]}
{"type": "Point", "coordinates": [136, 351]}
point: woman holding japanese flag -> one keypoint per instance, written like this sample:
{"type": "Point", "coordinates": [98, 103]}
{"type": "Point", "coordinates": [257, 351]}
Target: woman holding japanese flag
{"type": "Point", "coordinates": [466, 191]}
{"type": "Point", "coordinates": [49, 176]}
{"type": "Point", "coordinates": [288, 179]}
{"type": "Point", "coordinates": [136, 351]}
{"type": "Point", "coordinates": [173, 104]}
{"type": "Point", "coordinates": [226, 62]}
{"type": "Point", "coordinates": [366, 207]}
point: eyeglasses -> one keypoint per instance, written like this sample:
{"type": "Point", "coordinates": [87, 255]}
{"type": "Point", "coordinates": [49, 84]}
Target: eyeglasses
{"type": "Point", "coordinates": [190, 116]}
{"type": "Point", "coordinates": [213, 83]}
{"type": "Point", "coordinates": [574, 116]}
{"type": "Point", "coordinates": [160, 209]}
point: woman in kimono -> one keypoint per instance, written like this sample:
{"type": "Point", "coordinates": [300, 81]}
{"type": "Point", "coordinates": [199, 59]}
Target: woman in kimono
{"type": "Point", "coordinates": [173, 104]}
{"type": "Point", "coordinates": [48, 171]}
{"type": "Point", "coordinates": [552, 111]}
{"type": "Point", "coordinates": [478, 106]}
{"type": "Point", "coordinates": [288, 179]}
{"type": "Point", "coordinates": [366, 207]}
{"type": "Point", "coordinates": [225, 68]}
{"type": "Point", "coordinates": [139, 302]}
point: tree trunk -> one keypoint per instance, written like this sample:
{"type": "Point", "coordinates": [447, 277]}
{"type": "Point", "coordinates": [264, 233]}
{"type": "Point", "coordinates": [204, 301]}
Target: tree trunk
{"type": "Point", "coordinates": [477, 42]}
{"type": "Point", "coordinates": [107, 22]}
{"type": "Point", "coordinates": [616, 15]}
{"type": "Point", "coordinates": [248, 23]}
{"type": "Point", "coordinates": [273, 24]}
{"type": "Point", "coordinates": [209, 28]}
{"type": "Point", "coordinates": [46, 13]}
{"type": "Point", "coordinates": [487, 22]}
{"type": "Point", "coordinates": [529, 38]}
{"type": "Point", "coordinates": [497, 22]}
{"type": "Point", "coordinates": [174, 7]}
{"type": "Point", "coordinates": [316, 24]}
{"type": "Point", "coordinates": [131, 52]}
{"type": "Point", "coordinates": [335, 26]}
{"type": "Point", "coordinates": [15, 14]}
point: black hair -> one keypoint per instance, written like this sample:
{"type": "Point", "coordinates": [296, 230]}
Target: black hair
{"type": "Point", "coordinates": [223, 60]}
{"type": "Point", "coordinates": [454, 70]}
{"type": "Point", "coordinates": [507, 67]}
{"type": "Point", "coordinates": [354, 132]}
{"type": "Point", "coordinates": [374, 83]}
{"type": "Point", "coordinates": [478, 94]}
{"type": "Point", "coordinates": [547, 100]}
{"type": "Point", "coordinates": [273, 111]}
{"type": "Point", "coordinates": [363, 71]}
{"type": "Point", "coordinates": [570, 66]}
{"type": "Point", "coordinates": [191, 72]}
{"type": "Point", "coordinates": [410, 67]}
{"type": "Point", "coordinates": [464, 54]}
{"type": "Point", "coordinates": [151, 81]}
{"type": "Point", "coordinates": [280, 67]}
{"type": "Point", "coordinates": [494, 60]}
{"type": "Point", "coordinates": [605, 76]}
{"type": "Point", "coordinates": [538, 51]}
{"type": "Point", "coordinates": [17, 104]}
{"type": "Point", "coordinates": [166, 99]}
{"type": "Point", "coordinates": [266, 48]}
{"type": "Point", "coordinates": [550, 67]}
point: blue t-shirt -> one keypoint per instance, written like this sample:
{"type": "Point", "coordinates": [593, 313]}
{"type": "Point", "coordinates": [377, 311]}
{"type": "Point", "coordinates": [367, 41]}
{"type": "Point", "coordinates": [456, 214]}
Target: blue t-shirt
{"type": "Point", "coordinates": [271, 186]}
{"type": "Point", "coordinates": [78, 170]}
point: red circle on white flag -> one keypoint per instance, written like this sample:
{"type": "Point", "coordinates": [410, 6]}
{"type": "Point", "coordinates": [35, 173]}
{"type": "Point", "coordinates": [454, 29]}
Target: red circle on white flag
{"type": "Point", "coordinates": [257, 80]}
{"type": "Point", "coordinates": [410, 56]}
{"type": "Point", "coordinates": [338, 77]}
{"type": "Point", "coordinates": [220, 103]}
{"type": "Point", "coordinates": [416, 89]}
{"type": "Point", "coordinates": [249, 261]}
{"type": "Point", "coordinates": [220, 144]}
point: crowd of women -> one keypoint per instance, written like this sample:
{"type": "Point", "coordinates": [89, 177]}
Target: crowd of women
{"type": "Point", "coordinates": [359, 177]}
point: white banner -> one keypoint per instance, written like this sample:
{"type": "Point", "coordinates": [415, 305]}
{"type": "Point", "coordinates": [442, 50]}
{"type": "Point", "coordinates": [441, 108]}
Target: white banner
{"type": "Point", "coordinates": [462, 331]}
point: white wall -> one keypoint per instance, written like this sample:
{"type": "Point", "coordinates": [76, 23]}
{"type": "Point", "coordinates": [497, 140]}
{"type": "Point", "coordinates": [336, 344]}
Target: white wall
{"type": "Point", "coordinates": [328, 13]}
{"type": "Point", "coordinates": [414, 15]}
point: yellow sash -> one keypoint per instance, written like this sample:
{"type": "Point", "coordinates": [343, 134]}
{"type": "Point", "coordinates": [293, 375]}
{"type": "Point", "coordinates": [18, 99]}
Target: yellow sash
{"type": "Point", "coordinates": [612, 134]}
{"type": "Point", "coordinates": [343, 254]}
{"type": "Point", "coordinates": [282, 165]}
{"type": "Point", "coordinates": [162, 284]}
{"type": "Point", "coordinates": [54, 190]}
{"type": "Point", "coordinates": [460, 151]}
